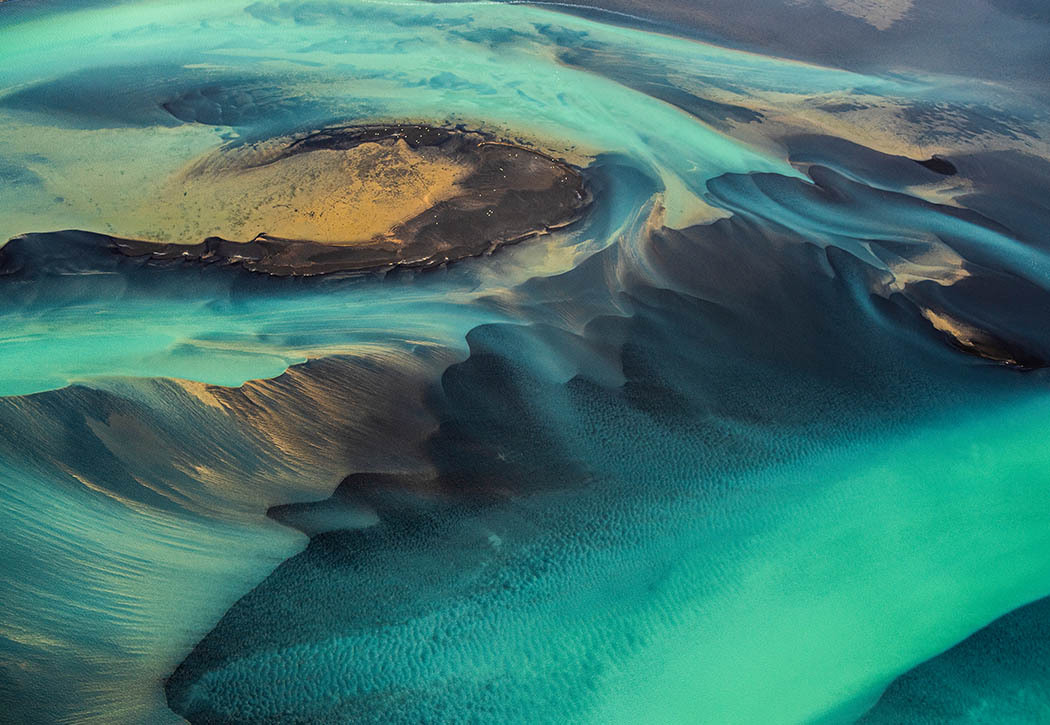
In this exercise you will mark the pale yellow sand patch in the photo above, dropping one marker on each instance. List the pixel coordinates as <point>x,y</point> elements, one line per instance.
<point>327,195</point>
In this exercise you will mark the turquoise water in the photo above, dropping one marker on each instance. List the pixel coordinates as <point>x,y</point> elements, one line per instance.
<point>726,450</point>
<point>998,672</point>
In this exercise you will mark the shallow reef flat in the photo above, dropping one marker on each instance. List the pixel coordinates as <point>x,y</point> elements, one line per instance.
<point>609,362</point>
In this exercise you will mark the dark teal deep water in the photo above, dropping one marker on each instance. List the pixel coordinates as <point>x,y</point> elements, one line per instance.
<point>762,433</point>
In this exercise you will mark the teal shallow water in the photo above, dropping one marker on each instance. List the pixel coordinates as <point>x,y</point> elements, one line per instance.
<point>740,446</point>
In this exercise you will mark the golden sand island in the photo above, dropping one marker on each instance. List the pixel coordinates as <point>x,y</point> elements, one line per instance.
<point>358,198</point>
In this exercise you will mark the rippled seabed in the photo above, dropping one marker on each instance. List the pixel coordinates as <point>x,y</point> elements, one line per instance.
<point>762,432</point>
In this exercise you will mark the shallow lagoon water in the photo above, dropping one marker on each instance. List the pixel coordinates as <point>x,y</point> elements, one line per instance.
<point>760,434</point>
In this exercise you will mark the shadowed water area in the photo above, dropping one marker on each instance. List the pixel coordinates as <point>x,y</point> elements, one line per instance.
<point>460,362</point>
